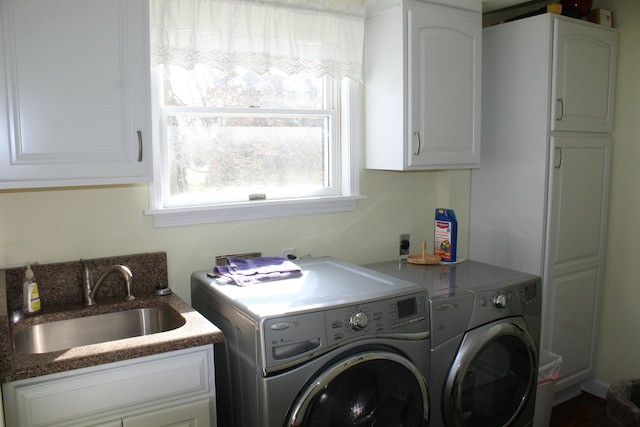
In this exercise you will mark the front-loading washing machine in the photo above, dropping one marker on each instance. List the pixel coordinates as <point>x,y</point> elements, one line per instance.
<point>340,346</point>
<point>485,337</point>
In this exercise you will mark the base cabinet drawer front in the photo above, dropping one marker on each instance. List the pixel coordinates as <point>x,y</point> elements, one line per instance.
<point>112,392</point>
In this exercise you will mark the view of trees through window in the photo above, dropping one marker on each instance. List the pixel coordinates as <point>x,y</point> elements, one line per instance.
<point>232,133</point>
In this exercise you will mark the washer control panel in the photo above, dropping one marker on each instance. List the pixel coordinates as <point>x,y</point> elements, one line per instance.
<point>515,300</point>
<point>298,336</point>
<point>397,315</point>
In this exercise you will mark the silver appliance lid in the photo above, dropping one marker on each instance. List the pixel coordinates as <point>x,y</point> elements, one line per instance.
<point>325,282</point>
<point>443,281</point>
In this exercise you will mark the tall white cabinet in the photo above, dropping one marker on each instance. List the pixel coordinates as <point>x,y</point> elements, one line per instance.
<point>539,199</point>
<point>422,84</point>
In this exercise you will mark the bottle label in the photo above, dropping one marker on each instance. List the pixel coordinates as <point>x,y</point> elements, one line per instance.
<point>442,241</point>
<point>34,299</point>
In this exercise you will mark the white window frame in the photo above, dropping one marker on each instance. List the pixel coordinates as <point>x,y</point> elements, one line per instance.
<point>348,163</point>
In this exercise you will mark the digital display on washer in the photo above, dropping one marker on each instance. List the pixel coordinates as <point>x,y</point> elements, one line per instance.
<point>407,307</point>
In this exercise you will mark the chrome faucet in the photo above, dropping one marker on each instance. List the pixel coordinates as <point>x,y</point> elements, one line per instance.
<point>89,290</point>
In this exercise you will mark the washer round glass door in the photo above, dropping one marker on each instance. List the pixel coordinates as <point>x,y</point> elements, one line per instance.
<point>375,388</point>
<point>492,376</point>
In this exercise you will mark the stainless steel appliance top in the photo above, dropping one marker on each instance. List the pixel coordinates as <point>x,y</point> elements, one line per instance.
<point>444,281</point>
<point>325,283</point>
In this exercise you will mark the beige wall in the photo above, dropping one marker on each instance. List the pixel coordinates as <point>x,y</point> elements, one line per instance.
<point>619,342</point>
<point>69,224</point>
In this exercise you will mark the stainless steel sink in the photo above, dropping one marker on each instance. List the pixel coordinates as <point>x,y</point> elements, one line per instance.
<point>79,331</point>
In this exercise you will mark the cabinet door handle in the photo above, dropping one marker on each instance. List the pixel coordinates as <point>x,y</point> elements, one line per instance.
<point>417,152</point>
<point>558,162</point>
<point>139,145</point>
<point>559,109</point>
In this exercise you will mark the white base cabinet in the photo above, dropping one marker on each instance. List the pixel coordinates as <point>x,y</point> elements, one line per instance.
<point>171,389</point>
<point>539,199</point>
<point>74,93</point>
<point>422,84</point>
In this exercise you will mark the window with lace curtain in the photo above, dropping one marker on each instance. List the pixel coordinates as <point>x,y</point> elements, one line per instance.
<point>256,108</point>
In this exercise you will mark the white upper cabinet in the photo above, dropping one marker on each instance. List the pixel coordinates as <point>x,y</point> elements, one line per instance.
<point>584,77</point>
<point>74,93</point>
<point>422,85</point>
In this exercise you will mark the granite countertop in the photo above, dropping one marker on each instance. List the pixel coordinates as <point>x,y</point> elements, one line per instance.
<point>195,332</point>
<point>61,297</point>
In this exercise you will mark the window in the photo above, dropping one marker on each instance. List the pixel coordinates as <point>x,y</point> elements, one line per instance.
<point>244,132</point>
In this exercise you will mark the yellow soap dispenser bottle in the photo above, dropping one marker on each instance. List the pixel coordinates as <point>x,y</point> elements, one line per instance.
<point>30,293</point>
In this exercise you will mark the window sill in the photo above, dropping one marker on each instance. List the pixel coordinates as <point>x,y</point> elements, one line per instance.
<point>169,217</point>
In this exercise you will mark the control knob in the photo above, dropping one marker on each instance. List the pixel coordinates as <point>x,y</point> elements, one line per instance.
<point>358,321</point>
<point>500,300</point>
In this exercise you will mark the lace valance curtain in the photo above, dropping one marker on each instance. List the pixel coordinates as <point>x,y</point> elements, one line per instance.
<point>296,36</point>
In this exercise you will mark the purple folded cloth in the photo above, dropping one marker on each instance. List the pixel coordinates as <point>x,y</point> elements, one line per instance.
<point>245,272</point>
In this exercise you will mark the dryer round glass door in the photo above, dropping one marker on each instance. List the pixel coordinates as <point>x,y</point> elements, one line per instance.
<point>492,377</point>
<point>366,389</point>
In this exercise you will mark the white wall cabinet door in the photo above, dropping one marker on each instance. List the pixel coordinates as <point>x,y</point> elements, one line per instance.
<point>422,86</point>
<point>74,93</point>
<point>444,86</point>
<point>583,78</point>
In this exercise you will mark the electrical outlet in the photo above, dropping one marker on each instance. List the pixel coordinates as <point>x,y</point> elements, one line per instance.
<point>405,243</point>
<point>289,253</point>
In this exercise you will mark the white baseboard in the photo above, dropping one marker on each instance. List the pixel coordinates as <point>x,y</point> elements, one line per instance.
<point>566,394</point>
<point>592,386</point>
<point>595,387</point>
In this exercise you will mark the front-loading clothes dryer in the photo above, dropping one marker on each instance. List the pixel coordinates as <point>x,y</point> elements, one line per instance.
<point>340,346</point>
<point>485,337</point>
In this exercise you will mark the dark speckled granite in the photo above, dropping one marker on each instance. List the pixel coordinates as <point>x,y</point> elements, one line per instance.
<point>61,295</point>
<point>60,284</point>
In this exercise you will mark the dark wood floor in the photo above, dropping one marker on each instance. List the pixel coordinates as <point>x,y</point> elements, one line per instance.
<point>582,411</point>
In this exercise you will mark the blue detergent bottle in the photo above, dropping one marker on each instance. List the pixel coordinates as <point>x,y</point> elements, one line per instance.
<point>445,239</point>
